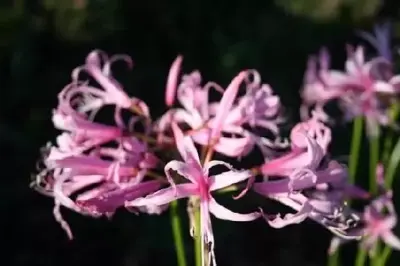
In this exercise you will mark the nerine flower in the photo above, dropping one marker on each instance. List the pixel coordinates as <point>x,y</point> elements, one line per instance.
<point>92,98</point>
<point>309,144</point>
<point>364,89</point>
<point>200,185</point>
<point>303,183</point>
<point>101,180</point>
<point>316,92</point>
<point>211,122</point>
<point>377,222</point>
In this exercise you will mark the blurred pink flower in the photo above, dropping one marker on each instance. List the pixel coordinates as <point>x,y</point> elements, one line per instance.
<point>365,88</point>
<point>321,199</point>
<point>377,221</point>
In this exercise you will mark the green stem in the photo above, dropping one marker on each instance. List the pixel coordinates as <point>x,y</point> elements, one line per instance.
<point>177,232</point>
<point>197,239</point>
<point>387,147</point>
<point>373,161</point>
<point>361,256</point>
<point>334,259</point>
<point>375,260</point>
<point>355,148</point>
<point>392,165</point>
<point>387,251</point>
<point>353,162</point>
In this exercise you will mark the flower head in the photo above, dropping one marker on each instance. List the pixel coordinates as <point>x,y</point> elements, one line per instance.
<point>101,180</point>
<point>211,123</point>
<point>200,185</point>
<point>377,221</point>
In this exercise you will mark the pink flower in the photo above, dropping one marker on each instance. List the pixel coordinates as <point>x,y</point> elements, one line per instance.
<point>83,134</point>
<point>380,40</point>
<point>212,122</point>
<point>378,220</point>
<point>309,141</point>
<point>322,200</point>
<point>91,98</point>
<point>200,185</point>
<point>102,184</point>
<point>207,127</point>
<point>365,88</point>
<point>315,91</point>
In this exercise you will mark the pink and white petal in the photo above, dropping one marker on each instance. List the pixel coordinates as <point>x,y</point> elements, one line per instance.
<point>391,240</point>
<point>223,213</point>
<point>182,169</point>
<point>185,145</point>
<point>228,178</point>
<point>109,201</point>
<point>226,103</point>
<point>164,196</point>
<point>383,87</point>
<point>172,81</point>
<point>210,164</point>
<point>288,219</point>
<point>232,147</point>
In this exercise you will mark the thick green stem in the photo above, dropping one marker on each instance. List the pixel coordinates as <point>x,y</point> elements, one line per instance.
<point>353,162</point>
<point>361,257</point>
<point>334,259</point>
<point>387,251</point>
<point>375,260</point>
<point>373,161</point>
<point>387,148</point>
<point>177,232</point>
<point>355,148</point>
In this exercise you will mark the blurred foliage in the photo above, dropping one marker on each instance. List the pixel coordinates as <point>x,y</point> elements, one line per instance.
<point>328,10</point>
<point>42,41</point>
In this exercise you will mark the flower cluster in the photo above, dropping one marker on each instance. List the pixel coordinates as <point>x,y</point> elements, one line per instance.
<point>143,164</point>
<point>365,88</point>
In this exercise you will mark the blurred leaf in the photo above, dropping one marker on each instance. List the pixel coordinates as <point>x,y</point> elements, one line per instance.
<point>392,166</point>
<point>328,10</point>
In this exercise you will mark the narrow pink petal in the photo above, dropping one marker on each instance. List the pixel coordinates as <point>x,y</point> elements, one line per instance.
<point>172,81</point>
<point>185,145</point>
<point>391,240</point>
<point>223,213</point>
<point>290,218</point>
<point>111,200</point>
<point>211,164</point>
<point>226,103</point>
<point>182,169</point>
<point>164,196</point>
<point>228,178</point>
<point>232,147</point>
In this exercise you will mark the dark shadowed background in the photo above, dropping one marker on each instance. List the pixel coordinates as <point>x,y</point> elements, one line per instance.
<point>42,41</point>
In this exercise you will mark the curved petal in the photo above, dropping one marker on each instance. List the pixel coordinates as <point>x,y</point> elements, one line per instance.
<point>164,196</point>
<point>300,216</point>
<point>225,105</point>
<point>223,213</point>
<point>391,240</point>
<point>185,146</point>
<point>182,169</point>
<point>228,178</point>
<point>172,81</point>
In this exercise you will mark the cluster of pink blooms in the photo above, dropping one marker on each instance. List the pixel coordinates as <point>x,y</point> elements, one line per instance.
<point>143,164</point>
<point>366,88</point>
